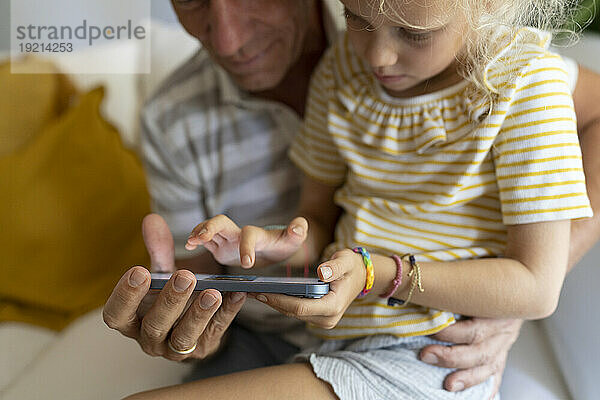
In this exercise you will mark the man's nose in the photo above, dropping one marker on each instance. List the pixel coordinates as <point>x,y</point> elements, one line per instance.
<point>380,51</point>
<point>227,28</point>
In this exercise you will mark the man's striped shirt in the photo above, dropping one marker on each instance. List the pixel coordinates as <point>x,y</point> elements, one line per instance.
<point>210,149</point>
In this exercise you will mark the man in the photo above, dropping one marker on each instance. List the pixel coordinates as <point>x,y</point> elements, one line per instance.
<point>228,114</point>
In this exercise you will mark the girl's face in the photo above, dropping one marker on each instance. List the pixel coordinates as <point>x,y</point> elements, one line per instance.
<point>407,61</point>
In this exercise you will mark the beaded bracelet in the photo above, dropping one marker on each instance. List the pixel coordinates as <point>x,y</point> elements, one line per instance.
<point>395,283</point>
<point>370,272</point>
<point>415,275</point>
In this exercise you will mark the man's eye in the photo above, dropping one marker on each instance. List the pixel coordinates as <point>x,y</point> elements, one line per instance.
<point>349,15</point>
<point>354,21</point>
<point>187,4</point>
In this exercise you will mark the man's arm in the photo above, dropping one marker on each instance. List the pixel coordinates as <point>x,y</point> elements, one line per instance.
<point>585,232</point>
<point>481,345</point>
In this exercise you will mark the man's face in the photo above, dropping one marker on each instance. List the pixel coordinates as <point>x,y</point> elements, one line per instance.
<point>255,41</point>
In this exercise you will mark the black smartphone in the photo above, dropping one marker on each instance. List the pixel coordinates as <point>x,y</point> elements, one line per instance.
<point>301,287</point>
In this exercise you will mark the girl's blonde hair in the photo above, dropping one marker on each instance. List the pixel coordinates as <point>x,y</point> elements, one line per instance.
<point>485,18</point>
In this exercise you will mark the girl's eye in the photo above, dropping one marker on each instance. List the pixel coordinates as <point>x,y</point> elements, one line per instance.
<point>416,38</point>
<point>357,23</point>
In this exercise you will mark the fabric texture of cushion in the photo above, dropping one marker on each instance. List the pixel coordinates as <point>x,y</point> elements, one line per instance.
<point>29,101</point>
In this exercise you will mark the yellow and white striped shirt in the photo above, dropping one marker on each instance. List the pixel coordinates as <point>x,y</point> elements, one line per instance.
<point>438,175</point>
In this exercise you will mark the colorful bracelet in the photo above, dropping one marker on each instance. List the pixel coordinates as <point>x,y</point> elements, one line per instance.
<point>415,275</point>
<point>370,272</point>
<point>395,283</point>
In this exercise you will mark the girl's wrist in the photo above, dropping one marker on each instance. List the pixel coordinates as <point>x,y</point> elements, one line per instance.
<point>385,269</point>
<point>397,280</point>
<point>412,282</point>
<point>369,272</point>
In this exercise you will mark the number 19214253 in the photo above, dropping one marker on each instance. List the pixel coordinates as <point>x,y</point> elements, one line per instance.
<point>46,47</point>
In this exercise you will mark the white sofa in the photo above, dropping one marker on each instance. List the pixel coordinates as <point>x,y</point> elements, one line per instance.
<point>553,359</point>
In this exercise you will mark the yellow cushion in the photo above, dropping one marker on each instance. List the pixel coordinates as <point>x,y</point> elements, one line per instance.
<point>29,101</point>
<point>71,204</point>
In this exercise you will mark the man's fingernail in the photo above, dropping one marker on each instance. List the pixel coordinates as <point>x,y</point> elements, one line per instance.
<point>326,272</point>
<point>207,301</point>
<point>247,261</point>
<point>262,298</point>
<point>237,296</point>
<point>429,359</point>
<point>458,386</point>
<point>181,283</point>
<point>136,278</point>
<point>298,230</point>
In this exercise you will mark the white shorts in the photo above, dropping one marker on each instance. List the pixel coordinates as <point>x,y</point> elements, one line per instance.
<point>384,368</point>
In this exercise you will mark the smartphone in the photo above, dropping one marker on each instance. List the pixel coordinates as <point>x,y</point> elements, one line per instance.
<point>302,287</point>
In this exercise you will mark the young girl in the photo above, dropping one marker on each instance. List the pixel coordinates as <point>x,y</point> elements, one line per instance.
<point>445,133</point>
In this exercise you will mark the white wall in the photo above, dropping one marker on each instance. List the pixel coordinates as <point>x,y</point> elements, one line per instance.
<point>574,329</point>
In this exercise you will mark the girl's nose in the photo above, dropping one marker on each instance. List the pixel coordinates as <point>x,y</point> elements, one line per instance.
<point>381,51</point>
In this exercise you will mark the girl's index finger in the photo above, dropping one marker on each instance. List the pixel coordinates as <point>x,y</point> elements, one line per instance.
<point>195,239</point>
<point>199,231</point>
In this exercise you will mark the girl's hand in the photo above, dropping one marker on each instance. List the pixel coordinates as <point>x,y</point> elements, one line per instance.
<point>346,275</point>
<point>234,246</point>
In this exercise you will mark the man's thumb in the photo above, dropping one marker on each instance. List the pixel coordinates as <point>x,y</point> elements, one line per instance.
<point>159,243</point>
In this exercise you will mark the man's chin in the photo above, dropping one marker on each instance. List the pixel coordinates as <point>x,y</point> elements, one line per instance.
<point>257,82</point>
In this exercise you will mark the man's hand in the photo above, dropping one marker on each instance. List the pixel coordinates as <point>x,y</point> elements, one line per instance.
<point>174,314</point>
<point>479,349</point>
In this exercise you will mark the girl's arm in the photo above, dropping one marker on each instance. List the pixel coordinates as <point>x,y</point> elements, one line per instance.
<point>494,337</point>
<point>525,283</point>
